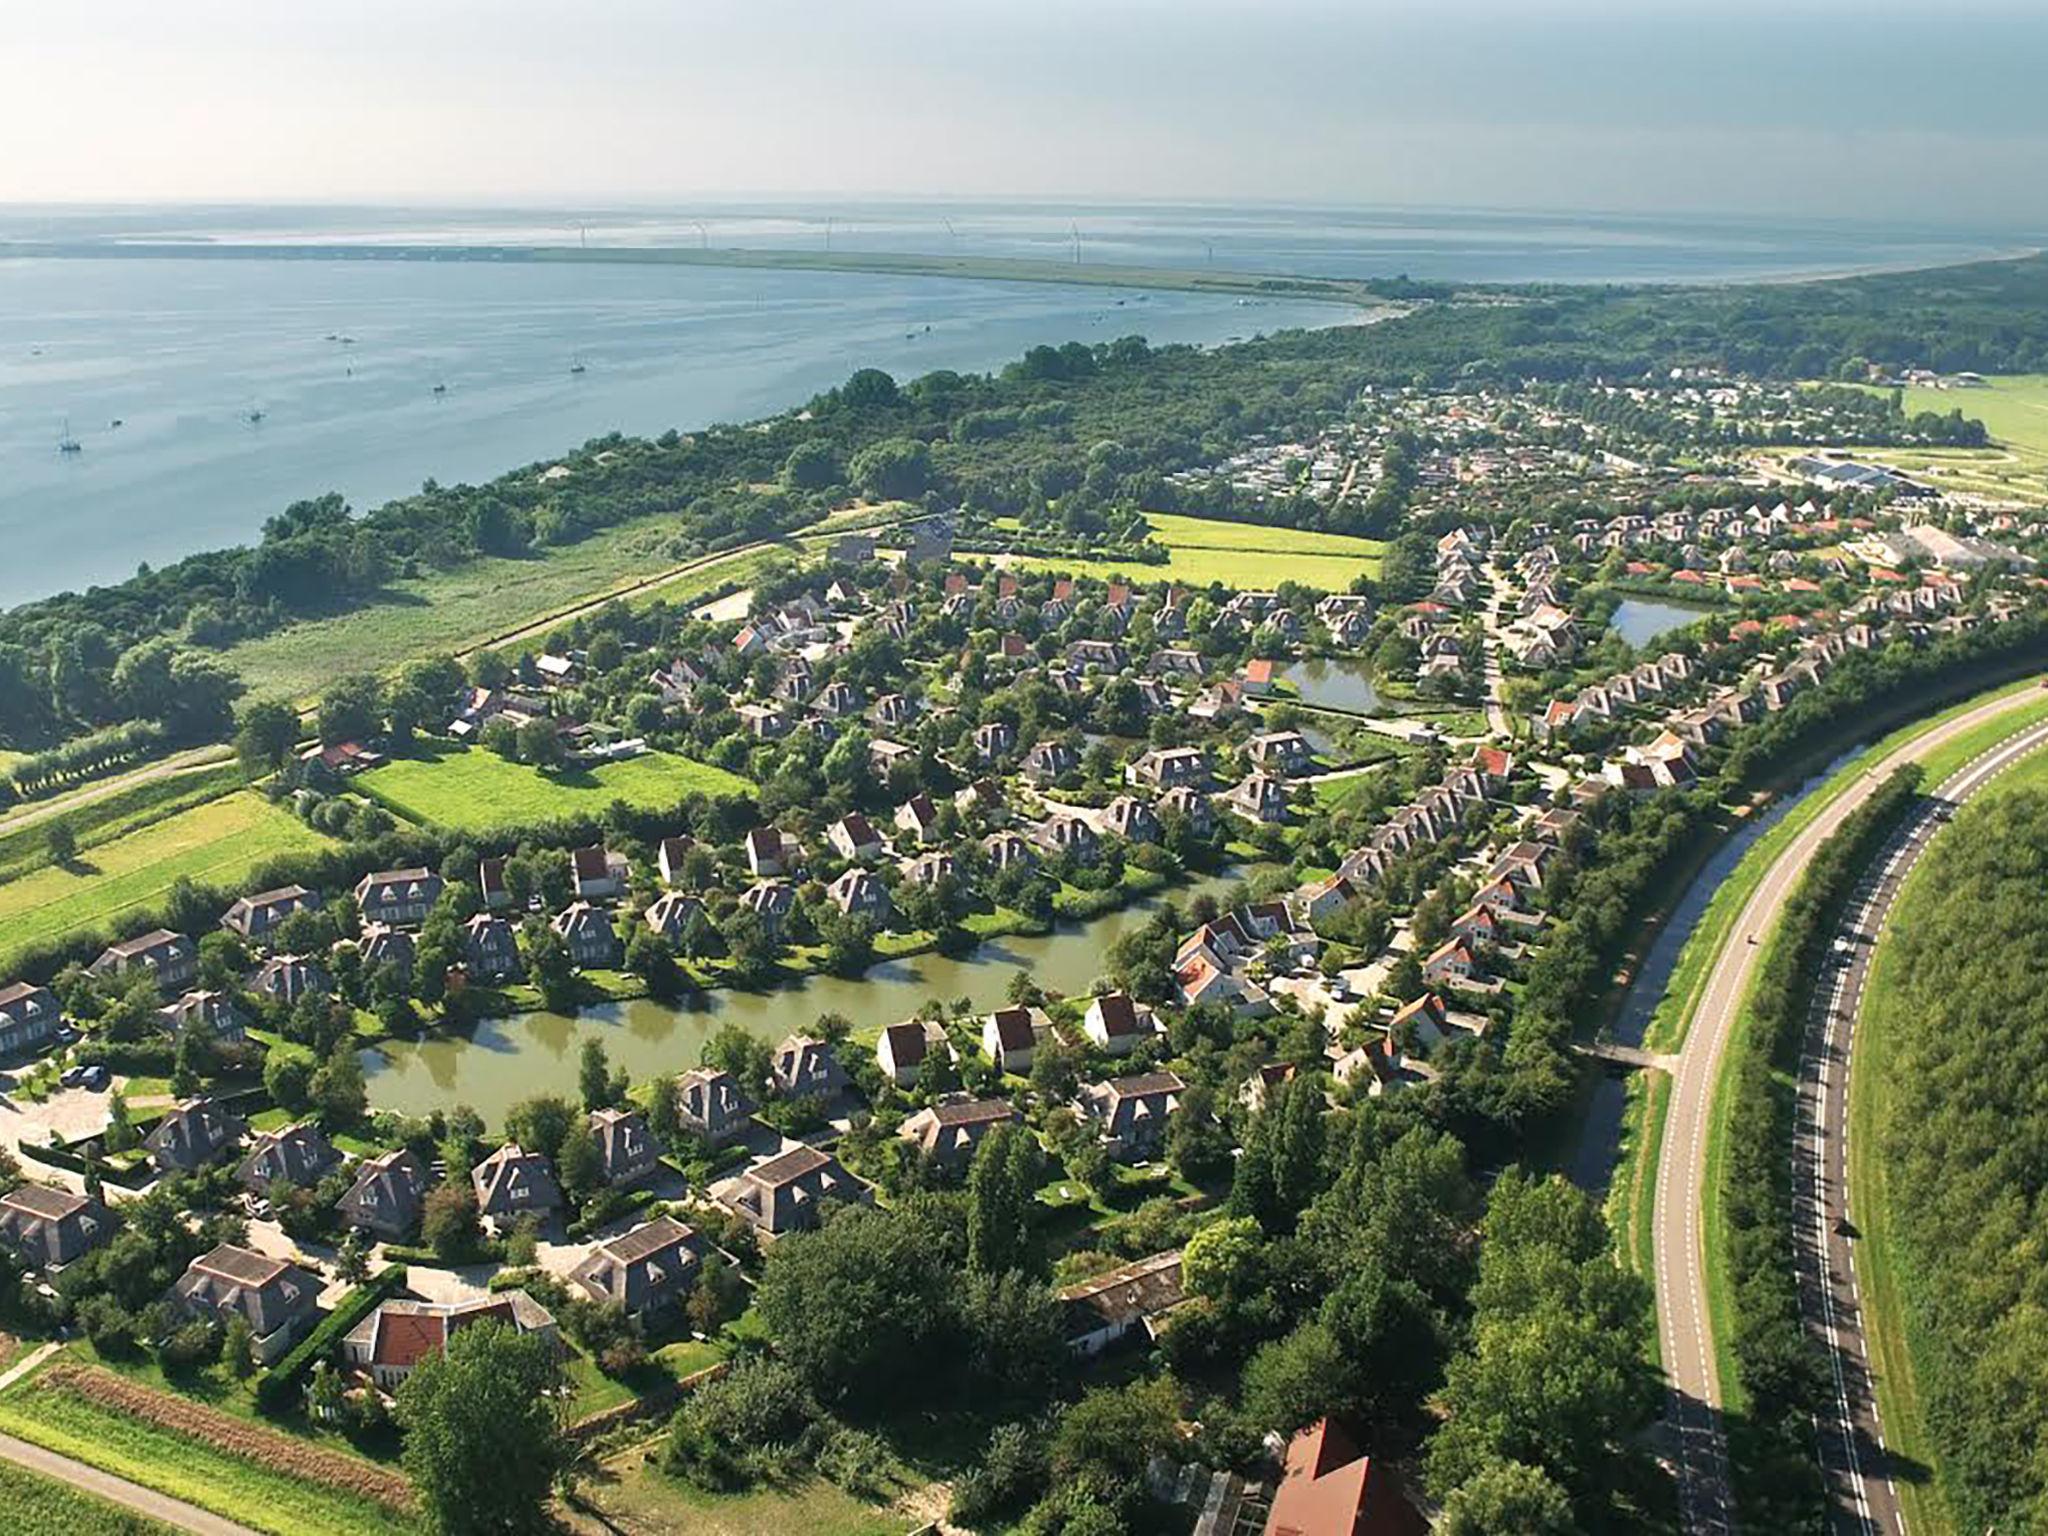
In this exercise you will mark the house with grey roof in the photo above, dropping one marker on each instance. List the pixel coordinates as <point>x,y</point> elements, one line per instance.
<point>626,1148</point>
<point>192,1133</point>
<point>711,1103</point>
<point>948,1133</point>
<point>278,1299</point>
<point>788,1193</point>
<point>512,1181</point>
<point>252,917</point>
<point>29,1016</point>
<point>294,1154</point>
<point>47,1228</point>
<point>807,1068</point>
<point>647,1269</point>
<point>401,898</point>
<point>1132,1112</point>
<point>589,935</point>
<point>170,960</point>
<point>212,1014</point>
<point>387,1195</point>
<point>287,978</point>
<point>490,947</point>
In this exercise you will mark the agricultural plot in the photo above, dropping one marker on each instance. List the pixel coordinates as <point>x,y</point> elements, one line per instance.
<point>217,843</point>
<point>1205,550</point>
<point>255,1475</point>
<point>472,790</point>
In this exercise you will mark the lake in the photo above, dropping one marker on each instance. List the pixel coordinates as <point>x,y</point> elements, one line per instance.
<point>506,1060</point>
<point>182,353</point>
<point>1640,620</point>
<point>1337,682</point>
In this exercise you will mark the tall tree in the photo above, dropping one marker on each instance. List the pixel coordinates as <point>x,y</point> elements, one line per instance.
<point>482,1443</point>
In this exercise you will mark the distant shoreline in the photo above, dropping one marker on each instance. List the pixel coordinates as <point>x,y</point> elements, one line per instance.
<point>1351,292</point>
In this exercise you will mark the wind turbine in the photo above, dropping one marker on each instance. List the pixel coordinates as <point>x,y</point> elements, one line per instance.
<point>703,234</point>
<point>1076,228</point>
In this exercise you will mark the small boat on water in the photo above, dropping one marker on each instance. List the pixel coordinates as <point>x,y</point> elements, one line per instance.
<point>440,389</point>
<point>577,366</point>
<point>115,422</point>
<point>252,416</point>
<point>67,443</point>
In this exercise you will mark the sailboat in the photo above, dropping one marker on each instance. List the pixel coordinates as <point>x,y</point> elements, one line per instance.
<point>577,366</point>
<point>67,443</point>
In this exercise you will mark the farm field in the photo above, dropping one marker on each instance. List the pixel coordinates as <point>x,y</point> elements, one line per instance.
<point>453,611</point>
<point>1205,550</point>
<point>216,843</point>
<point>472,790</point>
<point>242,1487</point>
<point>41,1506</point>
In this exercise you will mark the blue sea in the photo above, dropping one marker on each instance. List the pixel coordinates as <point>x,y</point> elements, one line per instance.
<point>235,393</point>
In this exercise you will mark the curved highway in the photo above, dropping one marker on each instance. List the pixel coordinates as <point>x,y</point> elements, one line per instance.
<point>1862,1494</point>
<point>1685,1326</point>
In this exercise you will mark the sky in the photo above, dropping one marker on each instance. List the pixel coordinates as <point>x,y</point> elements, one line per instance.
<point>1819,108</point>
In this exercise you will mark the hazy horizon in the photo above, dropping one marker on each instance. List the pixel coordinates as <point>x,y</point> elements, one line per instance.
<point>1830,109</point>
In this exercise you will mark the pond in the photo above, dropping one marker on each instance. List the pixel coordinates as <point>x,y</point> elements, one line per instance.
<point>1640,620</point>
<point>1336,682</point>
<point>505,1060</point>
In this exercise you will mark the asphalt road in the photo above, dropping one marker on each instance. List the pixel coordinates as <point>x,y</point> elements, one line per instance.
<point>1862,1491</point>
<point>1698,1444</point>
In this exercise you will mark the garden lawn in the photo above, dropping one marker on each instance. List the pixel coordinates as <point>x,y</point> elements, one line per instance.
<point>472,790</point>
<point>641,1497</point>
<point>1243,555</point>
<point>217,843</point>
<point>186,1468</point>
<point>41,1506</point>
<point>446,612</point>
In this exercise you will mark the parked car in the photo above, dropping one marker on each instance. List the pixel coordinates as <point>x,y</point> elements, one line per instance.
<point>71,1077</point>
<point>96,1078</point>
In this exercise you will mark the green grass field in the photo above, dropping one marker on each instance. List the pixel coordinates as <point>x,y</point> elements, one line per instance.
<point>187,1469</point>
<point>216,843</point>
<point>452,611</point>
<point>2014,409</point>
<point>1888,1335</point>
<point>1239,555</point>
<point>41,1506</point>
<point>476,791</point>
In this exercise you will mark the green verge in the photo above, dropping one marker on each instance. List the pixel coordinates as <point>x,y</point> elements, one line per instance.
<point>1887,1330</point>
<point>1747,1199</point>
<point>1674,1014</point>
<point>190,1470</point>
<point>42,1506</point>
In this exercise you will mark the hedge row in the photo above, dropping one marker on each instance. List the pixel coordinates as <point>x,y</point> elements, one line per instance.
<point>277,1388</point>
<point>1776,1475</point>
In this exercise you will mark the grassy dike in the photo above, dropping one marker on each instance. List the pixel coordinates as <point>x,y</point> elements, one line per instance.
<point>1887,1330</point>
<point>1632,1193</point>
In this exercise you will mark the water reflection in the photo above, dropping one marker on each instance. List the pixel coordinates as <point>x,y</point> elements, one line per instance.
<point>506,1060</point>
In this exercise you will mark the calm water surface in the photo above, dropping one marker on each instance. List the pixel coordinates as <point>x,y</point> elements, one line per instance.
<point>183,353</point>
<point>507,1060</point>
<point>1640,620</point>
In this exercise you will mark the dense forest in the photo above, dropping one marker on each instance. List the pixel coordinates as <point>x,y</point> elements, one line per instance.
<point>1964,1144</point>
